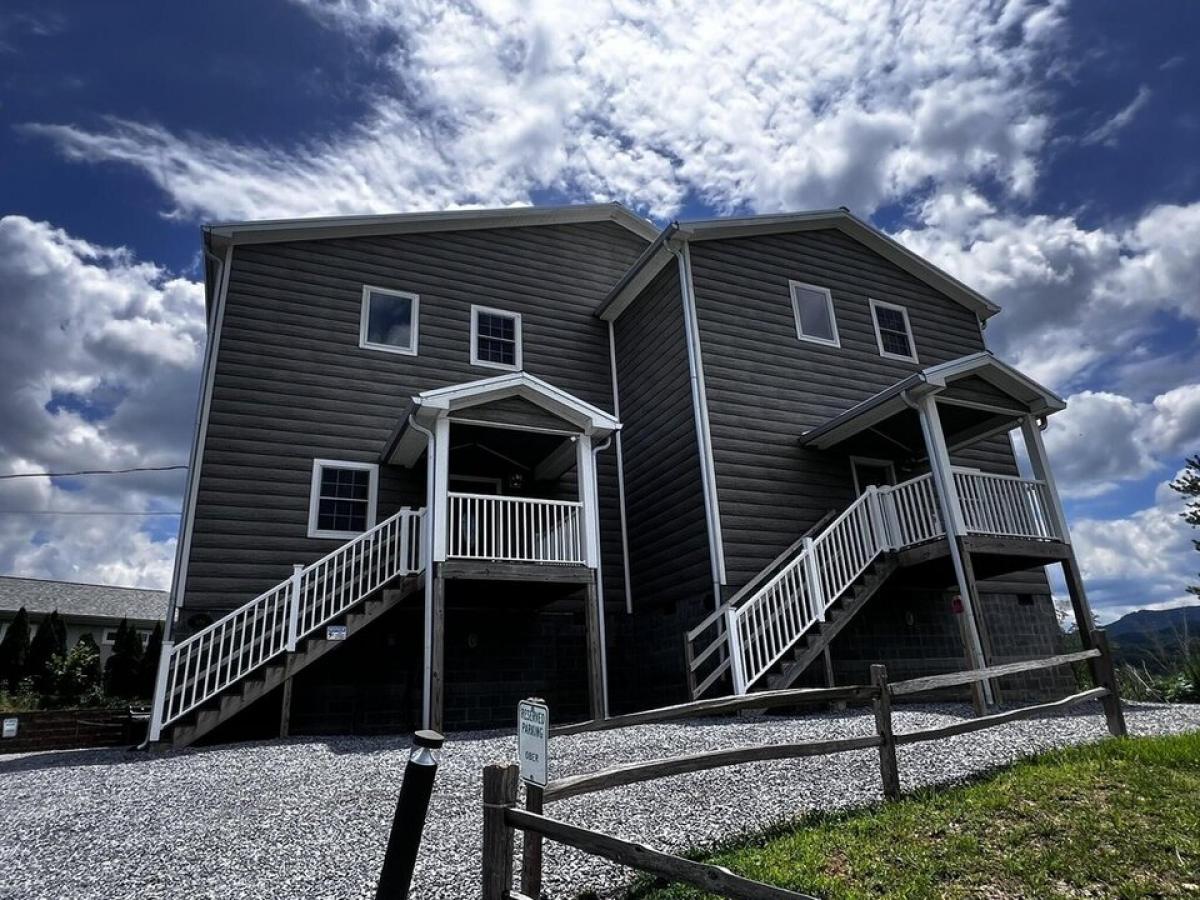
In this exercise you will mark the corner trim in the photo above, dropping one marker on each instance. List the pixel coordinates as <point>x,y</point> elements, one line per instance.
<point>183,546</point>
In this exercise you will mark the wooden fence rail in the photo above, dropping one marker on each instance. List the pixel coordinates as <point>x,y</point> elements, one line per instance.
<point>501,816</point>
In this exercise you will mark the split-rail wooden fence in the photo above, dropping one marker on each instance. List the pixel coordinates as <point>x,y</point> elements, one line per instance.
<point>502,817</point>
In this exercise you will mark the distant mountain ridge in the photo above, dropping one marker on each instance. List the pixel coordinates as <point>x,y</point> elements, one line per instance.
<point>1154,636</point>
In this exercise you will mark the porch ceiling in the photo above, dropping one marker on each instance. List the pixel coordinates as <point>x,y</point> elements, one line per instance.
<point>978,396</point>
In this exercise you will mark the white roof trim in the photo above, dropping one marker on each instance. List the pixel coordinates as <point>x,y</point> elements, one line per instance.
<point>1038,400</point>
<point>866,234</point>
<point>431,405</point>
<point>276,230</point>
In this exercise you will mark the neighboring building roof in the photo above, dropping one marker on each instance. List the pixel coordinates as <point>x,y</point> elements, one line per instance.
<point>93,601</point>
<point>656,256</point>
<point>270,231</point>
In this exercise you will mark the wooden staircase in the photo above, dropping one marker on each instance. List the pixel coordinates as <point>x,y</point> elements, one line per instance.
<point>221,708</point>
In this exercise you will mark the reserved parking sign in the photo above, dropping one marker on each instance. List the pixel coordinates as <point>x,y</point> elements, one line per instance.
<point>533,740</point>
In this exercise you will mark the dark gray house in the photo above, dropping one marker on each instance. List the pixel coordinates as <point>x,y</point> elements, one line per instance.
<point>561,452</point>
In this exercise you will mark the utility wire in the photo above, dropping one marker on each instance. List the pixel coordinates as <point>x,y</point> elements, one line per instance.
<point>92,472</point>
<point>80,512</point>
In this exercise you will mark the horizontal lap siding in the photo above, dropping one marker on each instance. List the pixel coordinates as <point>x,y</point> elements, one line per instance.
<point>668,543</point>
<point>766,387</point>
<point>292,383</point>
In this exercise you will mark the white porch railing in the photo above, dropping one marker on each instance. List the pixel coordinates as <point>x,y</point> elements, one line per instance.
<point>1005,505</point>
<point>205,663</point>
<point>769,622</point>
<point>515,529</point>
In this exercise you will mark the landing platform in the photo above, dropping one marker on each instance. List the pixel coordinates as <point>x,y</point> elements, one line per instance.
<point>929,563</point>
<point>491,570</point>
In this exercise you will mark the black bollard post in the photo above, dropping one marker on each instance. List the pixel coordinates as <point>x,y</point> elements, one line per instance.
<point>409,820</point>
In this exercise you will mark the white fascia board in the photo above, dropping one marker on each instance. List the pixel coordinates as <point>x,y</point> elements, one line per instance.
<point>276,230</point>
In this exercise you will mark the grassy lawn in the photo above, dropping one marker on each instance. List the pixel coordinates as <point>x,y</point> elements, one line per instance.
<point>1117,819</point>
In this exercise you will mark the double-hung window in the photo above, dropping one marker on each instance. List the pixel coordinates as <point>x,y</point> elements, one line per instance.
<point>389,320</point>
<point>343,497</point>
<point>813,308</point>
<point>893,332</point>
<point>495,338</point>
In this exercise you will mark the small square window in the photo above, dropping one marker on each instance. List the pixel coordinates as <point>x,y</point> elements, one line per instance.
<point>813,309</point>
<point>495,338</point>
<point>389,321</point>
<point>893,332</point>
<point>343,498</point>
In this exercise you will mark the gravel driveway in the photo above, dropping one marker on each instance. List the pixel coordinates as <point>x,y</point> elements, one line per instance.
<point>307,818</point>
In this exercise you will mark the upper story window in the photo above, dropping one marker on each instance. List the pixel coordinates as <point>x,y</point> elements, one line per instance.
<point>813,307</point>
<point>343,497</point>
<point>389,320</point>
<point>893,331</point>
<point>495,338</point>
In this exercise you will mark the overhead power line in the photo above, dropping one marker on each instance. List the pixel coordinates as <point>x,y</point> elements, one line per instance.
<point>80,512</point>
<point>92,472</point>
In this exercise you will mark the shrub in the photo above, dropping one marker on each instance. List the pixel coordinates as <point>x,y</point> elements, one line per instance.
<point>49,641</point>
<point>148,670</point>
<point>123,667</point>
<point>14,651</point>
<point>77,674</point>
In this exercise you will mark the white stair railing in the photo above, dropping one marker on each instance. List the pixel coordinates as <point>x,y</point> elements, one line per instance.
<point>515,529</point>
<point>202,665</point>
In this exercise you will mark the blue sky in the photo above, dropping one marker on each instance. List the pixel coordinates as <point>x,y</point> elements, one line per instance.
<point>1047,153</point>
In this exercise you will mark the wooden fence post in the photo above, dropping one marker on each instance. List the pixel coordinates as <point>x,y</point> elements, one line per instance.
<point>499,794</point>
<point>1106,677</point>
<point>531,858</point>
<point>889,771</point>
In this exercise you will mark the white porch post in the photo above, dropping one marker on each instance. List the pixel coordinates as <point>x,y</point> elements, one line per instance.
<point>1041,471</point>
<point>158,710</point>
<point>585,471</point>
<point>943,479</point>
<point>441,485</point>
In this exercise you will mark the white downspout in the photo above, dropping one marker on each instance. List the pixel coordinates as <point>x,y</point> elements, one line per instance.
<point>427,553</point>
<point>712,510</point>
<point>612,358</point>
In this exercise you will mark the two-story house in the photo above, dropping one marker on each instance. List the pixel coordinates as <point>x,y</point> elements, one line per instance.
<point>444,461</point>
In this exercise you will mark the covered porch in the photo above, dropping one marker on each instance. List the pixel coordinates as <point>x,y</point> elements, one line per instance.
<point>512,498</point>
<point>948,523</point>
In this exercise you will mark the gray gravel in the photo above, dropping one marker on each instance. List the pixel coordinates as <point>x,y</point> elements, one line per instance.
<point>307,818</point>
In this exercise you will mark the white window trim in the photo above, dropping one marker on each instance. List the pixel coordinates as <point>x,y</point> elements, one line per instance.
<point>836,341</point>
<point>314,496</point>
<point>487,364</point>
<point>907,327</point>
<point>364,320</point>
<point>869,461</point>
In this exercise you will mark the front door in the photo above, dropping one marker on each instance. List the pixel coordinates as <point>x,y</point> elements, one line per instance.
<point>879,472</point>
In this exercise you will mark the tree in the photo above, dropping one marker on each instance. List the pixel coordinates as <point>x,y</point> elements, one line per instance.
<point>121,671</point>
<point>14,650</point>
<point>49,641</point>
<point>1188,486</point>
<point>77,673</point>
<point>149,668</point>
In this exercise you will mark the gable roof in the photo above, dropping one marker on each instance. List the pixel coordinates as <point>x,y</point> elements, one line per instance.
<point>223,234</point>
<point>406,444</point>
<point>656,256</point>
<point>1028,396</point>
<point>93,601</point>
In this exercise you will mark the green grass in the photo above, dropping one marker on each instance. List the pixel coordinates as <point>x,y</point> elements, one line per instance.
<point>1116,819</point>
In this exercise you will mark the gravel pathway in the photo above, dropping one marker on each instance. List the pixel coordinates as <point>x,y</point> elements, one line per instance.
<point>307,818</point>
